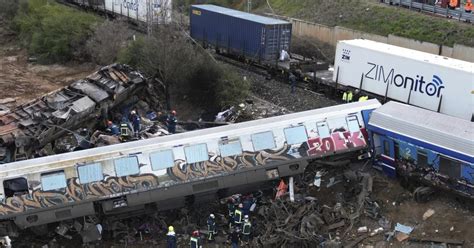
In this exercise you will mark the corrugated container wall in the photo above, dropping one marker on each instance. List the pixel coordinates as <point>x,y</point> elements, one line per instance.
<point>253,36</point>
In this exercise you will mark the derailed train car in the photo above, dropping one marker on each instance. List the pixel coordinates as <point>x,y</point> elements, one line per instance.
<point>31,126</point>
<point>166,172</point>
<point>419,145</point>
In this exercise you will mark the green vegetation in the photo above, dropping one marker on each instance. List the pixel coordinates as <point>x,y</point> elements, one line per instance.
<point>53,32</point>
<point>184,71</point>
<point>364,15</point>
<point>8,9</point>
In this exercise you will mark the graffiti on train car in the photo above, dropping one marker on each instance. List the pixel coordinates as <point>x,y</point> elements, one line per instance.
<point>337,141</point>
<point>181,172</point>
<point>217,164</point>
<point>77,192</point>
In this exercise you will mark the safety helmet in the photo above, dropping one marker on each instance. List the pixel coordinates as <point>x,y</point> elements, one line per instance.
<point>246,217</point>
<point>170,229</point>
<point>212,216</point>
<point>241,205</point>
<point>173,112</point>
<point>196,233</point>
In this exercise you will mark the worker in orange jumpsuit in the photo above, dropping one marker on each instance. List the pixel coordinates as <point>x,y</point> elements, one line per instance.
<point>468,6</point>
<point>453,4</point>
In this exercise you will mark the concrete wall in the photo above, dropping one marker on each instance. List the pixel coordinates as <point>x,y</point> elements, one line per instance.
<point>317,31</point>
<point>463,52</point>
<point>414,44</point>
<point>341,33</point>
<point>332,35</point>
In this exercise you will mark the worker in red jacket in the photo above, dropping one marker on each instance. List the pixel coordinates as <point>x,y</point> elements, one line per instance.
<point>453,4</point>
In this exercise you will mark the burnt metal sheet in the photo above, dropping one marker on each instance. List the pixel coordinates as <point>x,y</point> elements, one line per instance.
<point>90,89</point>
<point>82,104</point>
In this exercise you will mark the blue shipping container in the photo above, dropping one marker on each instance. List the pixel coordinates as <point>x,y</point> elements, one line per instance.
<point>240,33</point>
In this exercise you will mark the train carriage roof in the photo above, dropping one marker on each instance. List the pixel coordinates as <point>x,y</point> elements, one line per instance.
<point>436,129</point>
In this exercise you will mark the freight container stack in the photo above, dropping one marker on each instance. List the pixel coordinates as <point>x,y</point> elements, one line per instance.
<point>252,36</point>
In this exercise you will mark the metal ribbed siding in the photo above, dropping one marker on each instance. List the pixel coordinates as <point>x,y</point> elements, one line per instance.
<point>253,36</point>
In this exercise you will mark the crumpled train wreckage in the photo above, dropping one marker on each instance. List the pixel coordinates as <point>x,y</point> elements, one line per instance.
<point>33,125</point>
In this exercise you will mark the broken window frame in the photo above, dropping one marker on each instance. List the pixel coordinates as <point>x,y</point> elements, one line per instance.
<point>223,143</point>
<point>126,172</point>
<point>26,191</point>
<point>196,156</point>
<point>159,165</point>
<point>292,138</point>
<point>448,166</point>
<point>59,184</point>
<point>96,179</point>
<point>257,138</point>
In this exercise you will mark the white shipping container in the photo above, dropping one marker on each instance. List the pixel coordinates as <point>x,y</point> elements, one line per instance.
<point>421,79</point>
<point>160,10</point>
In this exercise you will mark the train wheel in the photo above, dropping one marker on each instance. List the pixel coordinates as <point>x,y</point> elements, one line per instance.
<point>423,194</point>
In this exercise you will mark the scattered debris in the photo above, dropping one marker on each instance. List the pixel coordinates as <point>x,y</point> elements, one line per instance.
<point>428,214</point>
<point>403,228</point>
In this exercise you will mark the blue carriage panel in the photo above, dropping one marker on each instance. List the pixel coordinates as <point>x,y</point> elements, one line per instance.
<point>433,159</point>
<point>467,172</point>
<point>408,151</point>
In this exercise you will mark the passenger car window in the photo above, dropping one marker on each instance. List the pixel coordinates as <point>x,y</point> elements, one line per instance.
<point>323,129</point>
<point>353,123</point>
<point>90,173</point>
<point>196,153</point>
<point>230,148</point>
<point>296,135</point>
<point>126,166</point>
<point>53,180</point>
<point>162,160</point>
<point>262,141</point>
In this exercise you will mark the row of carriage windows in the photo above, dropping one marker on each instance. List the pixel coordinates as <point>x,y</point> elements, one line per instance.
<point>160,160</point>
<point>446,166</point>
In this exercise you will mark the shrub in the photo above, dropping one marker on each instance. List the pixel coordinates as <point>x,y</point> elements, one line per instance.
<point>52,32</point>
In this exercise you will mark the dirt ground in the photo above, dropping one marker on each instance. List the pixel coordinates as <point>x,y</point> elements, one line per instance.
<point>22,81</point>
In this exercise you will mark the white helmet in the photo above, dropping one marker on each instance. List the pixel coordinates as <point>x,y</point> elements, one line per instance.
<point>133,112</point>
<point>246,217</point>
<point>212,216</point>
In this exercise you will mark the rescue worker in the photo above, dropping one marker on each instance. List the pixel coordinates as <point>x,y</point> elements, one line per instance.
<point>292,79</point>
<point>231,210</point>
<point>171,122</point>
<point>211,228</point>
<point>344,96</point>
<point>234,237</point>
<point>135,120</point>
<point>238,216</point>
<point>363,98</point>
<point>246,229</point>
<point>468,6</point>
<point>112,128</point>
<point>171,238</point>
<point>124,129</point>
<point>349,96</point>
<point>453,4</point>
<point>195,241</point>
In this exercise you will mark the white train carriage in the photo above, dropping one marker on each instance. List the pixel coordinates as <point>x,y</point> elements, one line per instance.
<point>145,11</point>
<point>160,173</point>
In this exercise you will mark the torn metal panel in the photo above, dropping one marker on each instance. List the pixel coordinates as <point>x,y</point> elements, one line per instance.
<point>90,89</point>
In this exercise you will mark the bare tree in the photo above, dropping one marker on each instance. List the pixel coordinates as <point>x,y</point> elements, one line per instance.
<point>108,39</point>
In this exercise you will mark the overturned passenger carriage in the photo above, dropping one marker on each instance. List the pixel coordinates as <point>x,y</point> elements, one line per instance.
<point>31,126</point>
<point>165,172</point>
